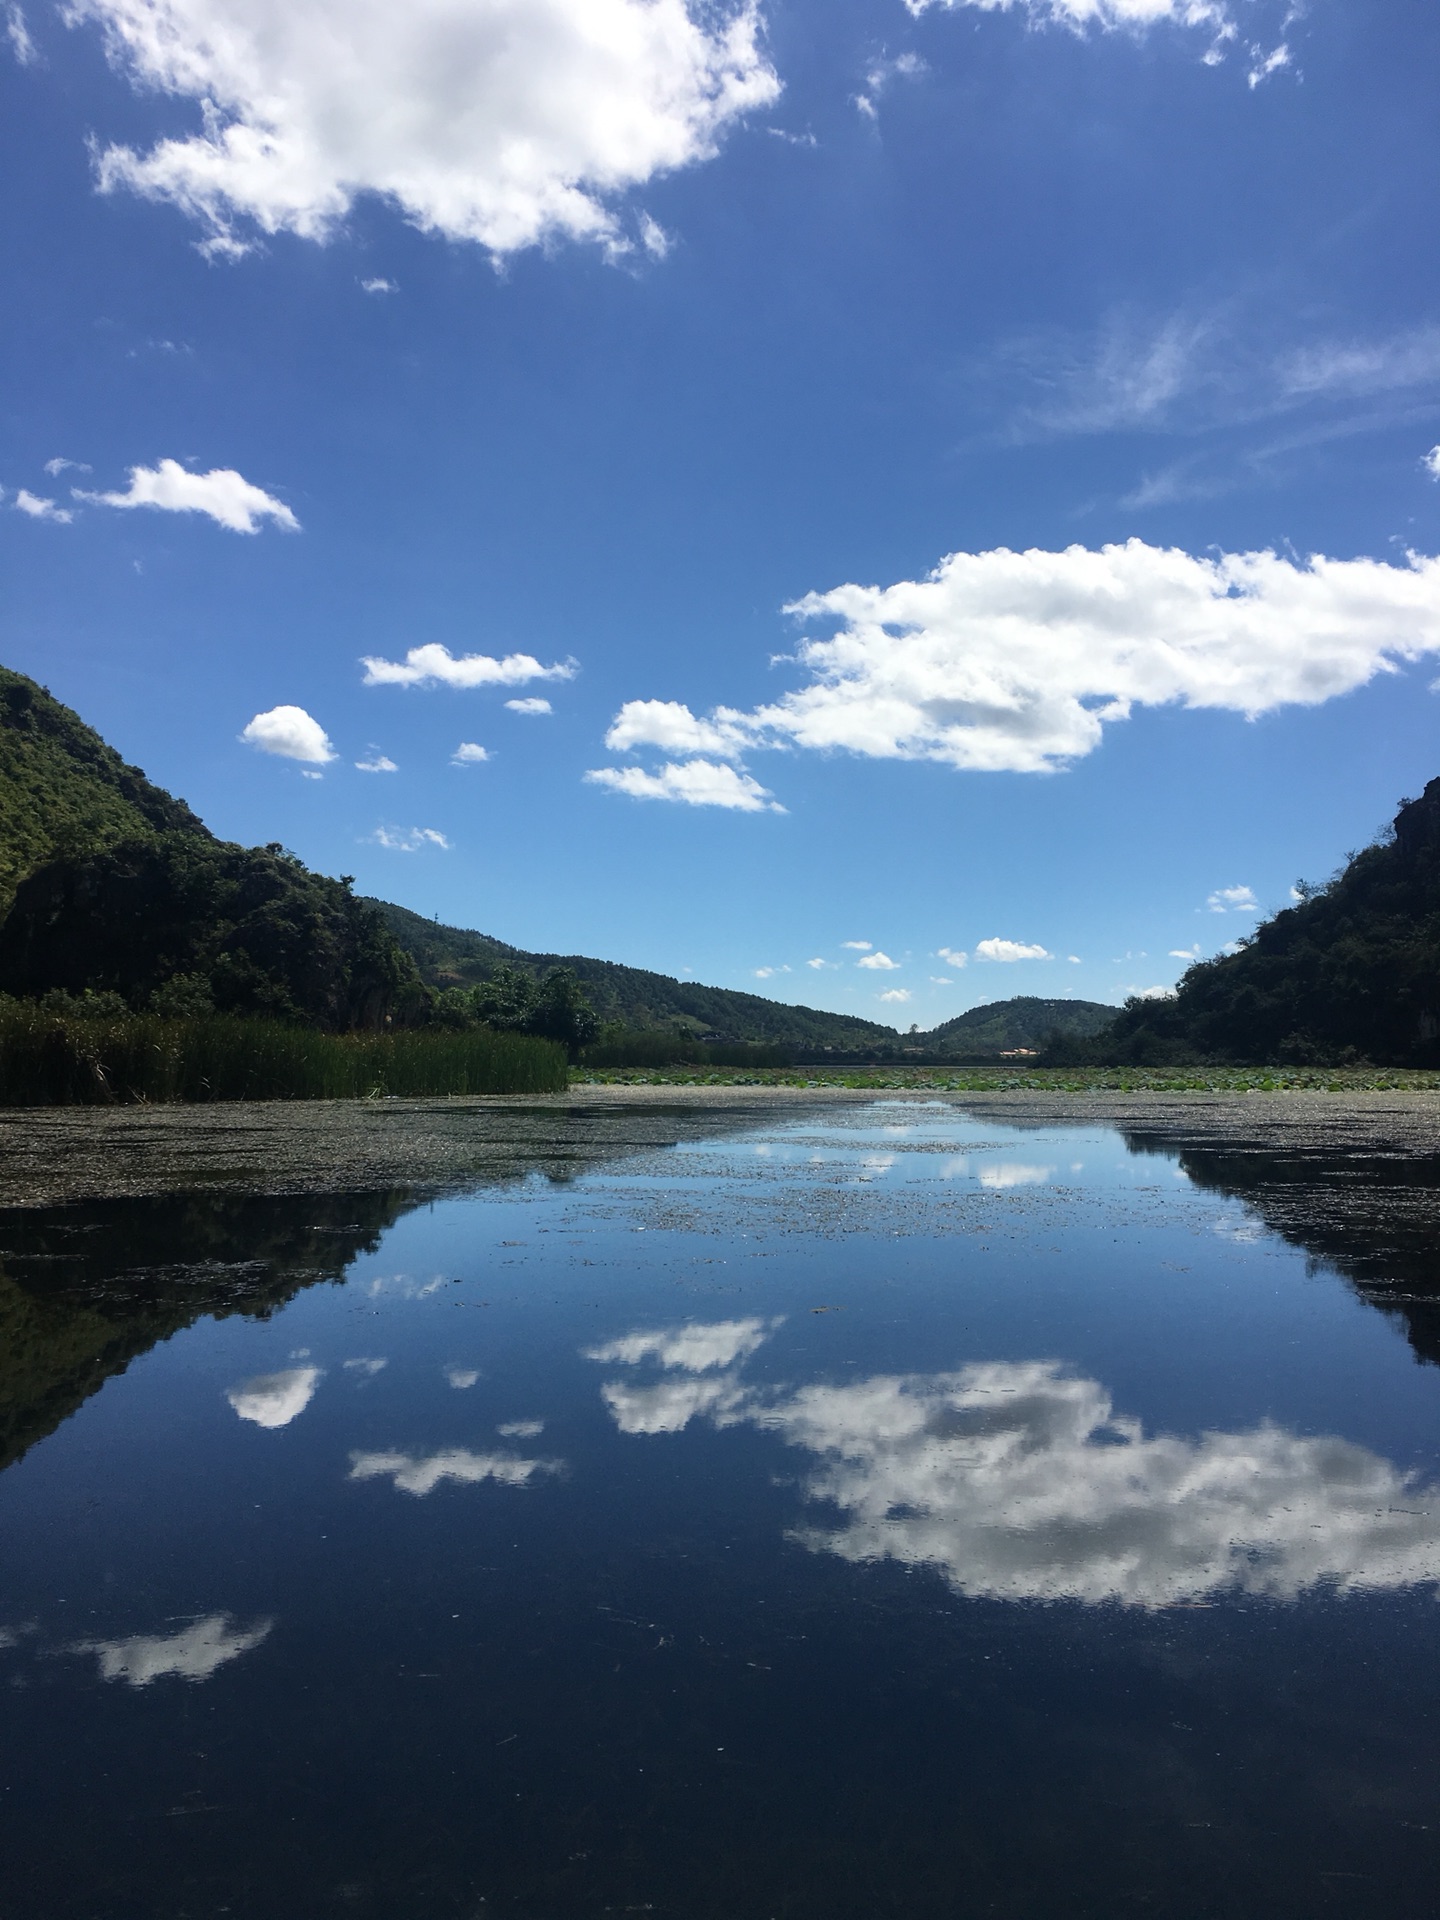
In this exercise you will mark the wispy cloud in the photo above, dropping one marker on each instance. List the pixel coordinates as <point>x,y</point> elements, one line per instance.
<point>378,285</point>
<point>60,465</point>
<point>18,34</point>
<point>533,705</point>
<point>408,839</point>
<point>693,783</point>
<point>39,508</point>
<point>435,666</point>
<point>377,763</point>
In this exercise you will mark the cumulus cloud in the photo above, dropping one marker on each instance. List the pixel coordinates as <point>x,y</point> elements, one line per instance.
<point>1009,950</point>
<point>520,1429</point>
<point>291,733</point>
<point>1156,992</point>
<point>533,705</point>
<point>769,973</point>
<point>857,946</point>
<point>461,1377</point>
<point>193,1654</point>
<point>878,962</point>
<point>408,839</point>
<point>505,125</point>
<point>224,495</point>
<point>468,754</point>
<point>1431,463</point>
<point>953,956</point>
<point>420,1474</point>
<point>275,1399</point>
<point>818,963</point>
<point>694,1348</point>
<point>435,666</point>
<point>897,994</point>
<point>673,728</point>
<point>377,763</point>
<point>1005,661</point>
<point>378,285</point>
<point>1233,900</point>
<point>696,783</point>
<point>39,508</point>
<point>671,1405</point>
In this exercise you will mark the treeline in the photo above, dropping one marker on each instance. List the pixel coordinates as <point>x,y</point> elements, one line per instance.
<point>619,1047</point>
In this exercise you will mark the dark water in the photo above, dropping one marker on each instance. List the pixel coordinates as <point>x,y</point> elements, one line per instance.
<point>877,1512</point>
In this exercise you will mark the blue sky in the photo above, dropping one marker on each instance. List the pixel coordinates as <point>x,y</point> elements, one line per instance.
<point>957,475</point>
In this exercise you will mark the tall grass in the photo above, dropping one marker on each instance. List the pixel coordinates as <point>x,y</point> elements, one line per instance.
<point>50,1059</point>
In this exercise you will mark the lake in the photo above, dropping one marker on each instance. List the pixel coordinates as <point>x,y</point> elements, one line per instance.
<point>887,1507</point>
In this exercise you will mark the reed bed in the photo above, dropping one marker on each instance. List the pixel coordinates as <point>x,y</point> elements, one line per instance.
<point>50,1059</point>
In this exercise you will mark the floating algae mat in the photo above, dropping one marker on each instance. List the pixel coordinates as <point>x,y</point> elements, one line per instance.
<point>870,1509</point>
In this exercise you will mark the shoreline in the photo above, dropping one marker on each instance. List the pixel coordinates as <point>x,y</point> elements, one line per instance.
<point>55,1156</point>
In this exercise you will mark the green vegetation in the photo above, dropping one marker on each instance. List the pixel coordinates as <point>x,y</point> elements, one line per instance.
<point>509,1001</point>
<point>1350,975</point>
<point>630,998</point>
<point>1025,1021</point>
<point>617,1048</point>
<point>63,791</point>
<point>52,1054</point>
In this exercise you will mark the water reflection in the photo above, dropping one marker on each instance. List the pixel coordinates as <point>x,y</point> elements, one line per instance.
<point>275,1399</point>
<point>422,1473</point>
<point>695,1348</point>
<point>194,1653</point>
<point>1019,1481</point>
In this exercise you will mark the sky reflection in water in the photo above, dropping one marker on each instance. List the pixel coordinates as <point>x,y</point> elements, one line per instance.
<point>868,1512</point>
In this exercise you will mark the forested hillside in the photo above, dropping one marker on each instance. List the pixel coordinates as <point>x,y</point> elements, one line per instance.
<point>1026,1021</point>
<point>1352,973</point>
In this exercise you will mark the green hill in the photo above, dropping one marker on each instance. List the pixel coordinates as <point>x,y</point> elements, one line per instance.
<point>631,996</point>
<point>1005,1025</point>
<point>1352,973</point>
<point>63,791</point>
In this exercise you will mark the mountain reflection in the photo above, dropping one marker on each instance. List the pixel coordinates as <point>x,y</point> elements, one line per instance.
<point>1019,1481</point>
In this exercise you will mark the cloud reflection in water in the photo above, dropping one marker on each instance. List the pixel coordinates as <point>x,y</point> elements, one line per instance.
<point>1018,1481</point>
<point>422,1473</point>
<point>274,1399</point>
<point>192,1654</point>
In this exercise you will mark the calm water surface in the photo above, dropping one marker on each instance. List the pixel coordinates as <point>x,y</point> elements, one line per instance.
<point>873,1512</point>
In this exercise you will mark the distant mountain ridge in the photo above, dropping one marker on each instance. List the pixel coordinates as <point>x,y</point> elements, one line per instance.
<point>124,886</point>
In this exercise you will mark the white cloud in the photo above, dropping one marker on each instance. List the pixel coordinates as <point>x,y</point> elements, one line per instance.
<point>672,728</point>
<point>60,465</point>
<point>905,66</point>
<point>291,733</point>
<point>954,956</point>
<point>468,754</point>
<point>368,1367</point>
<point>275,1399</point>
<point>377,763</point>
<point>1004,661</point>
<point>1109,15</point>
<point>1431,463</point>
<point>769,973</point>
<point>818,963</point>
<point>194,1653</point>
<point>1150,993</point>
<point>1009,950</point>
<point>18,34</point>
<point>521,1429</point>
<point>40,508</point>
<point>1185,953</point>
<point>503,124</point>
<point>695,1348</point>
<point>896,995</point>
<point>878,963</point>
<point>697,783</point>
<point>422,1473</point>
<point>1355,369</point>
<point>1073,959</point>
<point>434,665</point>
<point>1262,64</point>
<point>461,1377</point>
<point>223,494</point>
<point>1233,900</point>
<point>941,980</point>
<point>533,705</point>
<point>858,946</point>
<point>408,839</point>
<point>378,285</point>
